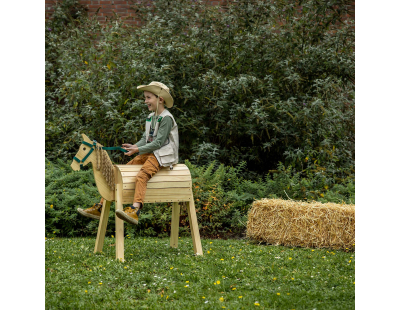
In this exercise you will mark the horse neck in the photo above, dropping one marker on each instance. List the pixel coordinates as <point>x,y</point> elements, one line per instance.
<point>96,155</point>
<point>103,187</point>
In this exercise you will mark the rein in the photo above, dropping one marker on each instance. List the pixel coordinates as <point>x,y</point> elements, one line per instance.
<point>92,148</point>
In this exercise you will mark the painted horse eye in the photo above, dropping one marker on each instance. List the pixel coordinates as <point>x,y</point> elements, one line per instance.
<point>84,148</point>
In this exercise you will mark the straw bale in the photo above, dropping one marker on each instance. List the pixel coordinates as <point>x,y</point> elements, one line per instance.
<point>303,224</point>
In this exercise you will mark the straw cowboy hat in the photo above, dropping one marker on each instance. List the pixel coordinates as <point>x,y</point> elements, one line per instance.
<point>160,90</point>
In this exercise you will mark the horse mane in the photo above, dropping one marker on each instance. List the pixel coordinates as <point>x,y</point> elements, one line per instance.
<point>105,165</point>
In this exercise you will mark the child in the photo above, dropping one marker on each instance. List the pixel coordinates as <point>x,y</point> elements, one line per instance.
<point>157,148</point>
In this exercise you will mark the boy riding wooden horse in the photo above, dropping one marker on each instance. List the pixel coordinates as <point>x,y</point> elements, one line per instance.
<point>157,148</point>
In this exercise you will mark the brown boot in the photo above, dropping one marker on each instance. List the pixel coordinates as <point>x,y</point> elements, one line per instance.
<point>130,214</point>
<point>93,212</point>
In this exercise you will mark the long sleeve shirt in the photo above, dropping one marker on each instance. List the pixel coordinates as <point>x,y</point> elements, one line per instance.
<point>162,135</point>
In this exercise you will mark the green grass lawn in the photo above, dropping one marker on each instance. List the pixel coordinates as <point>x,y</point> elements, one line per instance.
<point>232,274</point>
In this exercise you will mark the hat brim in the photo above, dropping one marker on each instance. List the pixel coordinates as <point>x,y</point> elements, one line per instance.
<point>157,90</point>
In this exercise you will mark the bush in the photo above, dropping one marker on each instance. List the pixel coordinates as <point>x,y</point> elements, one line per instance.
<point>222,199</point>
<point>258,82</point>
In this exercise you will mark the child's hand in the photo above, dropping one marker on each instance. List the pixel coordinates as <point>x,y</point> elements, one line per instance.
<point>132,149</point>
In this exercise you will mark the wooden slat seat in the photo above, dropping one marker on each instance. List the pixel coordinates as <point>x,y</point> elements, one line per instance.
<point>165,186</point>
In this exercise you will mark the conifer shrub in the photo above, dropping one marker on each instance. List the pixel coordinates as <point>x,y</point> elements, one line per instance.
<point>261,82</point>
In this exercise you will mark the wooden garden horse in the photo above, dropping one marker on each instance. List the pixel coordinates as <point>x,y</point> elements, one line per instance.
<point>117,183</point>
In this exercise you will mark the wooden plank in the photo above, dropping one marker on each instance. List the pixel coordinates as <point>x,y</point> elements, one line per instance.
<point>162,172</point>
<point>125,168</point>
<point>118,177</point>
<point>180,197</point>
<point>162,178</point>
<point>119,225</point>
<point>101,231</point>
<point>166,192</point>
<point>129,200</point>
<point>176,210</point>
<point>184,184</point>
<point>194,228</point>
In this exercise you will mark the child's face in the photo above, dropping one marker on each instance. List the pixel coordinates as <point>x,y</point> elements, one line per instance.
<point>151,101</point>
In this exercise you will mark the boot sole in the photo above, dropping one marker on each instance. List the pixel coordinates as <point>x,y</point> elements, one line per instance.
<point>92,216</point>
<point>124,217</point>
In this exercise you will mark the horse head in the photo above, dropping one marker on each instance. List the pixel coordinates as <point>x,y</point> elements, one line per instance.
<point>85,154</point>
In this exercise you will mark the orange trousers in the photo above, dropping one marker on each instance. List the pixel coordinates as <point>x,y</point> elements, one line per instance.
<point>149,169</point>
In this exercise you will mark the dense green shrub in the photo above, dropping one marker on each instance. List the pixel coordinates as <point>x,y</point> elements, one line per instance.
<point>259,82</point>
<point>222,199</point>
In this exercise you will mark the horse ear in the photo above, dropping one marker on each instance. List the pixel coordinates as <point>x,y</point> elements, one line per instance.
<point>85,138</point>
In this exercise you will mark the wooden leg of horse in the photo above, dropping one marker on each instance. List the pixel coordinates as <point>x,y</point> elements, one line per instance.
<point>176,210</point>
<point>101,231</point>
<point>119,225</point>
<point>194,228</point>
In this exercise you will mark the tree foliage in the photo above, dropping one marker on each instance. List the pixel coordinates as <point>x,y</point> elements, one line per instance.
<point>262,82</point>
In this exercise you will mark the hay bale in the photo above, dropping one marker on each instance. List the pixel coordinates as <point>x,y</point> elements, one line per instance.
<point>296,223</point>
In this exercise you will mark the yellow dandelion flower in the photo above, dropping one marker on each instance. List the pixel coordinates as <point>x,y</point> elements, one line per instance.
<point>233,257</point>
<point>288,293</point>
<point>51,206</point>
<point>290,258</point>
<point>240,297</point>
<point>85,291</point>
<point>112,236</point>
<point>210,242</point>
<point>218,282</point>
<point>215,283</point>
<point>203,297</point>
<point>222,259</point>
<point>256,304</point>
<point>234,288</point>
<point>208,252</point>
<point>278,294</point>
<point>221,299</point>
<point>274,279</point>
<point>187,281</point>
<point>171,268</point>
<point>292,278</point>
<point>312,250</point>
<point>89,282</point>
<point>100,283</point>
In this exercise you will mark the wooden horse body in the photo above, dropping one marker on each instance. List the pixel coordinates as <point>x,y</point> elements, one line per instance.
<point>165,186</point>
